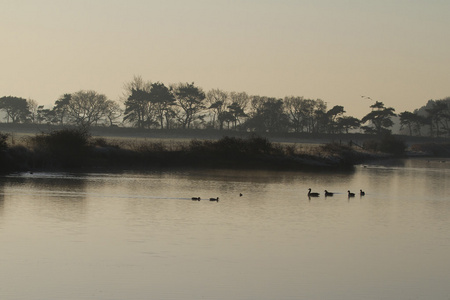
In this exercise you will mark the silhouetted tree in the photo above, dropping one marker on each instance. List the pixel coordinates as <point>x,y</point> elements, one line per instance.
<point>137,108</point>
<point>190,101</point>
<point>332,117</point>
<point>380,118</point>
<point>86,108</point>
<point>162,100</point>
<point>346,123</point>
<point>239,103</point>
<point>269,115</point>
<point>33,109</point>
<point>412,121</point>
<point>16,109</point>
<point>438,114</point>
<point>295,109</point>
<point>236,112</point>
<point>112,112</point>
<point>137,83</point>
<point>217,103</point>
<point>61,107</point>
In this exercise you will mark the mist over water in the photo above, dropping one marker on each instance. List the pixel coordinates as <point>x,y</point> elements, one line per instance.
<point>140,236</point>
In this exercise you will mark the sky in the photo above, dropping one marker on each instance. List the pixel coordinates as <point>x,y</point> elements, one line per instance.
<point>393,51</point>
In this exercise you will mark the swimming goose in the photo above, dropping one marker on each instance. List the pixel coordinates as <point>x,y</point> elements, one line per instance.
<point>351,194</point>
<point>327,193</point>
<point>312,194</point>
<point>196,198</point>
<point>362,193</point>
<point>214,199</point>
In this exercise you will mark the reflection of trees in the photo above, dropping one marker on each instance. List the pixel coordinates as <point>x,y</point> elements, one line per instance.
<point>2,197</point>
<point>62,198</point>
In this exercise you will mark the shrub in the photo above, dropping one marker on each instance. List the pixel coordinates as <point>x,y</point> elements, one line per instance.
<point>3,143</point>
<point>65,148</point>
<point>387,144</point>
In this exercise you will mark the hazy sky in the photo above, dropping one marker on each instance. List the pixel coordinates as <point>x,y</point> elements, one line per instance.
<point>394,51</point>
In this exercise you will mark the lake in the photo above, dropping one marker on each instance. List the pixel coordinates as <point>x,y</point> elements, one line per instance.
<point>140,236</point>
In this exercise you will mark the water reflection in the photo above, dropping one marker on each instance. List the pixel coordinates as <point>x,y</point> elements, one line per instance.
<point>144,229</point>
<point>58,196</point>
<point>2,197</point>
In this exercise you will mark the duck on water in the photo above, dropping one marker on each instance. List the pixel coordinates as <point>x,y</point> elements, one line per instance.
<point>310,194</point>
<point>328,194</point>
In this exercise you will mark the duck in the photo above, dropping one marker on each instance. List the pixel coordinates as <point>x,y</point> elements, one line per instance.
<point>362,193</point>
<point>327,193</point>
<point>196,198</point>
<point>351,194</point>
<point>240,195</point>
<point>312,194</point>
<point>214,199</point>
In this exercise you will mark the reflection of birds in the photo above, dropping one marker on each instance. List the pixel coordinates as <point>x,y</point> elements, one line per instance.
<point>312,194</point>
<point>196,198</point>
<point>362,193</point>
<point>214,199</point>
<point>327,193</point>
<point>351,194</point>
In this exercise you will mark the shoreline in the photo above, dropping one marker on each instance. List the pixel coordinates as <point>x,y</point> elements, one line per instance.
<point>77,149</point>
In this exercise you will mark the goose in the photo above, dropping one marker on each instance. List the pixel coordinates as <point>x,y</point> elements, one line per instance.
<point>214,199</point>
<point>327,193</point>
<point>312,194</point>
<point>362,193</point>
<point>351,194</point>
<point>196,198</point>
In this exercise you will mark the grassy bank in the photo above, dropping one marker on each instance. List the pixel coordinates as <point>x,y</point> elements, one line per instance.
<point>76,149</point>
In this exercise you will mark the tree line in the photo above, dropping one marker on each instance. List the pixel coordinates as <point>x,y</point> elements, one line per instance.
<point>184,105</point>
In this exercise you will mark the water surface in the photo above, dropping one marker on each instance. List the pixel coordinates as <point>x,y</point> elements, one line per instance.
<point>140,236</point>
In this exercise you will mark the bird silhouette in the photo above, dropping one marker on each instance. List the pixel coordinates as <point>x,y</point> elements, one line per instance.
<point>312,194</point>
<point>327,193</point>
<point>362,193</point>
<point>351,194</point>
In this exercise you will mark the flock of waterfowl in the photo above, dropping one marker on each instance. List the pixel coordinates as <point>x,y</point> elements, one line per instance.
<point>330,194</point>
<point>210,199</point>
<point>310,194</point>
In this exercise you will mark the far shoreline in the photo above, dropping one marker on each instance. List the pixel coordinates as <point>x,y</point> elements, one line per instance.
<point>75,149</point>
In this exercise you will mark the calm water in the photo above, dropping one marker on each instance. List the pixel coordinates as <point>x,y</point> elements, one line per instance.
<point>140,236</point>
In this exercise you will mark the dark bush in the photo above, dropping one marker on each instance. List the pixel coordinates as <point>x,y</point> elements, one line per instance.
<point>435,149</point>
<point>387,144</point>
<point>66,148</point>
<point>3,141</point>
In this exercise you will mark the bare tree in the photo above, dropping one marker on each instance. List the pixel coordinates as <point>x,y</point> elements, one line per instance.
<point>138,83</point>
<point>113,112</point>
<point>87,107</point>
<point>33,108</point>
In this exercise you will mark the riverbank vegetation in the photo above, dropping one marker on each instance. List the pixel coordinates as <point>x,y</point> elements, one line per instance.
<point>76,149</point>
